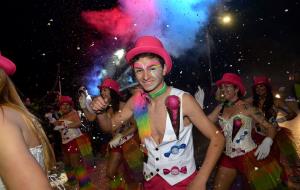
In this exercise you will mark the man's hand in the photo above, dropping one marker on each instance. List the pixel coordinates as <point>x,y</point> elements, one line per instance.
<point>99,105</point>
<point>199,96</point>
<point>263,149</point>
<point>116,140</point>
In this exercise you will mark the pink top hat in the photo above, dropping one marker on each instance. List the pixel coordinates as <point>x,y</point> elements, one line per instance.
<point>150,44</point>
<point>234,79</point>
<point>7,65</point>
<point>65,99</point>
<point>111,84</point>
<point>261,80</point>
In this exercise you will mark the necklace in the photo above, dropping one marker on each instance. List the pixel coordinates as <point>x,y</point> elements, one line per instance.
<point>159,92</point>
<point>229,103</point>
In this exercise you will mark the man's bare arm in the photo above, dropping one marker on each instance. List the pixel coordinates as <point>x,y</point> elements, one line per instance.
<point>213,116</point>
<point>106,123</point>
<point>192,110</point>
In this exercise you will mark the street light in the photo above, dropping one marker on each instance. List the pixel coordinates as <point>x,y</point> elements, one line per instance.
<point>224,20</point>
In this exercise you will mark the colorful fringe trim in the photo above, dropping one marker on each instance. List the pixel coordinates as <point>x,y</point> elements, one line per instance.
<point>287,147</point>
<point>132,153</point>
<point>71,176</point>
<point>141,116</point>
<point>118,183</point>
<point>264,174</point>
<point>84,145</point>
<point>285,152</point>
<point>133,160</point>
<point>83,178</point>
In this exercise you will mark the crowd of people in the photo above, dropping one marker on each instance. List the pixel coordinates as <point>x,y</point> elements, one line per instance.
<point>151,145</point>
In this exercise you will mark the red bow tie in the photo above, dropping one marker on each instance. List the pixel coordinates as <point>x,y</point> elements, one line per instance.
<point>175,170</point>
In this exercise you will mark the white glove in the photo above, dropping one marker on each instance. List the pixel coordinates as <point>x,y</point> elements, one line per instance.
<point>88,104</point>
<point>116,140</point>
<point>263,149</point>
<point>82,101</point>
<point>199,96</point>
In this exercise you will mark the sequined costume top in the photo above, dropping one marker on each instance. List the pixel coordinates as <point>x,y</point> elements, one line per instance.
<point>69,134</point>
<point>237,131</point>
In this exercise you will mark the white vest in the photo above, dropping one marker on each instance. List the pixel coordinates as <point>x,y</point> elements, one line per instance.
<point>242,142</point>
<point>68,134</point>
<point>173,159</point>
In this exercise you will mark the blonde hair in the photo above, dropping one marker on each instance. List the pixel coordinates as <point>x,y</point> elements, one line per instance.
<point>10,98</point>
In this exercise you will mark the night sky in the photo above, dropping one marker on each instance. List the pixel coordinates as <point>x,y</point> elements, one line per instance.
<point>40,35</point>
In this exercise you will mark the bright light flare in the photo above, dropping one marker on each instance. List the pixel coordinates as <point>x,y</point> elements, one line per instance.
<point>119,53</point>
<point>226,19</point>
<point>277,96</point>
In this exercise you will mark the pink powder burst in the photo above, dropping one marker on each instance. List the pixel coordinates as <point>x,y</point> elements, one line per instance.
<point>112,22</point>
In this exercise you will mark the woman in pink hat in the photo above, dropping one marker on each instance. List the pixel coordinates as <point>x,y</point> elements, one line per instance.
<point>75,144</point>
<point>284,148</point>
<point>165,118</point>
<point>25,153</point>
<point>122,137</point>
<point>242,155</point>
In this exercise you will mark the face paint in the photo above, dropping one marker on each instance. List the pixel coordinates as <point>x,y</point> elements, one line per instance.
<point>229,91</point>
<point>149,73</point>
<point>143,66</point>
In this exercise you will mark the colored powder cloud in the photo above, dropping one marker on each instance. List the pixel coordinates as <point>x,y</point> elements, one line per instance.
<point>175,22</point>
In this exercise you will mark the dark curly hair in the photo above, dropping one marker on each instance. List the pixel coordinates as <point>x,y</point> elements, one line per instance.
<point>268,104</point>
<point>115,100</point>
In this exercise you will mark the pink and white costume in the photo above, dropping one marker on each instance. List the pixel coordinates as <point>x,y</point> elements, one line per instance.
<point>173,160</point>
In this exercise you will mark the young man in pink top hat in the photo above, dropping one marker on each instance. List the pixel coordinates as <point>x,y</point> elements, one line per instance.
<point>164,116</point>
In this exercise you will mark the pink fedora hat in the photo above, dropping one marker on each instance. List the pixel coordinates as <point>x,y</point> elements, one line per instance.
<point>111,84</point>
<point>7,65</point>
<point>66,99</point>
<point>261,80</point>
<point>150,44</point>
<point>234,79</point>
